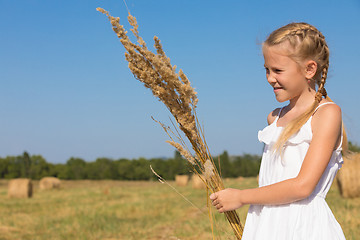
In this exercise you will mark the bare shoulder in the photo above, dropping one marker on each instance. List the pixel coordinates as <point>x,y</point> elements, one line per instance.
<point>327,118</point>
<point>272,115</point>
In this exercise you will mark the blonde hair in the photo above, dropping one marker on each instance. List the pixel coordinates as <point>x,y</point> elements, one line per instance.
<point>306,42</point>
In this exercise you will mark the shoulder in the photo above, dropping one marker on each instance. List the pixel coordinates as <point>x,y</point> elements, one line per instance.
<point>327,118</point>
<point>272,115</point>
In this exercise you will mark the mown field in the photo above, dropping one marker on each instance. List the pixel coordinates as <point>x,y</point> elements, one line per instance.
<point>110,210</point>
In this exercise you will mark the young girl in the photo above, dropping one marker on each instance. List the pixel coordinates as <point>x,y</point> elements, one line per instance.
<point>303,144</point>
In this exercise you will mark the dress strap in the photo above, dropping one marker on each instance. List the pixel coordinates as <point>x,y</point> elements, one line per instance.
<point>279,112</point>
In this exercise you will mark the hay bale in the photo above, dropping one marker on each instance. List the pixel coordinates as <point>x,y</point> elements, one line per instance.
<point>197,183</point>
<point>348,176</point>
<point>181,180</point>
<point>49,183</point>
<point>226,180</point>
<point>240,179</point>
<point>20,188</point>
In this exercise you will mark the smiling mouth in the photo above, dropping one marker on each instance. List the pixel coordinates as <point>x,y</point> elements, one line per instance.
<point>275,88</point>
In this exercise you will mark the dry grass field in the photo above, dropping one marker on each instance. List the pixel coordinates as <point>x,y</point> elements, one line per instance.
<point>110,210</point>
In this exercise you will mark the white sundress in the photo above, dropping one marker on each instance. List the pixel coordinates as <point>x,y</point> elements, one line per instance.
<point>306,219</point>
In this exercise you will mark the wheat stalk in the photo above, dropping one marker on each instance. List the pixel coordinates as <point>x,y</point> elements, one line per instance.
<point>175,91</point>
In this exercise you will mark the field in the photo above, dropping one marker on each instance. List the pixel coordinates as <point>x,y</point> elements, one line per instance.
<point>110,210</point>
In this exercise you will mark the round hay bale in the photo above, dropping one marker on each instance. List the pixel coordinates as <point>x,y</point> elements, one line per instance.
<point>348,176</point>
<point>20,188</point>
<point>197,183</point>
<point>181,180</point>
<point>49,183</point>
<point>240,179</point>
<point>226,180</point>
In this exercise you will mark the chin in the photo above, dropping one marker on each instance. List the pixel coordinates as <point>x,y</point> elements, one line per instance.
<point>281,99</point>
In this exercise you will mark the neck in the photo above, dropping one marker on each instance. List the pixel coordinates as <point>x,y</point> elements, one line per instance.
<point>302,101</point>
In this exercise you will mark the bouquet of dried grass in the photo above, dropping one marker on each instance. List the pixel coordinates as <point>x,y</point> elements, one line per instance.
<point>175,91</point>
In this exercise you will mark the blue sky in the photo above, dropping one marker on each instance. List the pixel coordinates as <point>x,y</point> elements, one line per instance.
<point>66,90</point>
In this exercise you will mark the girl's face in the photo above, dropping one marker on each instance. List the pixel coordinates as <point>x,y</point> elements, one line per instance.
<point>285,75</point>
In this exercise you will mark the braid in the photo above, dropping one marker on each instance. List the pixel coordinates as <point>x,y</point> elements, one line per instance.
<point>307,43</point>
<point>305,30</point>
<point>321,90</point>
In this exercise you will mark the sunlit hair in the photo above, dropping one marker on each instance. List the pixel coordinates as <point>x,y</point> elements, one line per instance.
<point>306,43</point>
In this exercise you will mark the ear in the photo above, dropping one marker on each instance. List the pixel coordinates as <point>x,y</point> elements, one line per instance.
<point>310,69</point>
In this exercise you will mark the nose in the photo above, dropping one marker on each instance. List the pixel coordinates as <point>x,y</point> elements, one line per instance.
<point>271,78</point>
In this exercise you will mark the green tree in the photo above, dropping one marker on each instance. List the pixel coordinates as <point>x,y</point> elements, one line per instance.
<point>59,170</point>
<point>27,165</point>
<point>4,165</point>
<point>225,165</point>
<point>15,167</point>
<point>76,168</point>
<point>38,167</point>
<point>102,168</point>
<point>141,169</point>
<point>246,165</point>
<point>161,167</point>
<point>124,169</point>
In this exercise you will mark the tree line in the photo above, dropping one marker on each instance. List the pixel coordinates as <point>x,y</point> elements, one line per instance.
<point>36,167</point>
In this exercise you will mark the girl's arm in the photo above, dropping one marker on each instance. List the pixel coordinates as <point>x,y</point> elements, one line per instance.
<point>326,125</point>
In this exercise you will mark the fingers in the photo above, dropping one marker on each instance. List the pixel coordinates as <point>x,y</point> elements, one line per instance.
<point>216,203</point>
<point>214,199</point>
<point>218,206</point>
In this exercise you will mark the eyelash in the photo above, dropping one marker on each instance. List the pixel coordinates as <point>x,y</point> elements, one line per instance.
<point>275,70</point>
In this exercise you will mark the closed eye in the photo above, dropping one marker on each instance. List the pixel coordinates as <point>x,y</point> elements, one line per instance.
<point>276,70</point>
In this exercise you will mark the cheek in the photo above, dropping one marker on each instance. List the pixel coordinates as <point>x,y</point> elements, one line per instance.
<point>300,81</point>
<point>294,81</point>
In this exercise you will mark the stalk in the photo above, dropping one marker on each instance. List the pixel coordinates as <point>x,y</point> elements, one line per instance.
<point>174,89</point>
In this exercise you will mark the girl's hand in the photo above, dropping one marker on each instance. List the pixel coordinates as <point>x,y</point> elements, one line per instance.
<point>226,200</point>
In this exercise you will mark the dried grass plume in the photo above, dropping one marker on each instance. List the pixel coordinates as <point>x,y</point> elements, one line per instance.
<point>173,88</point>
